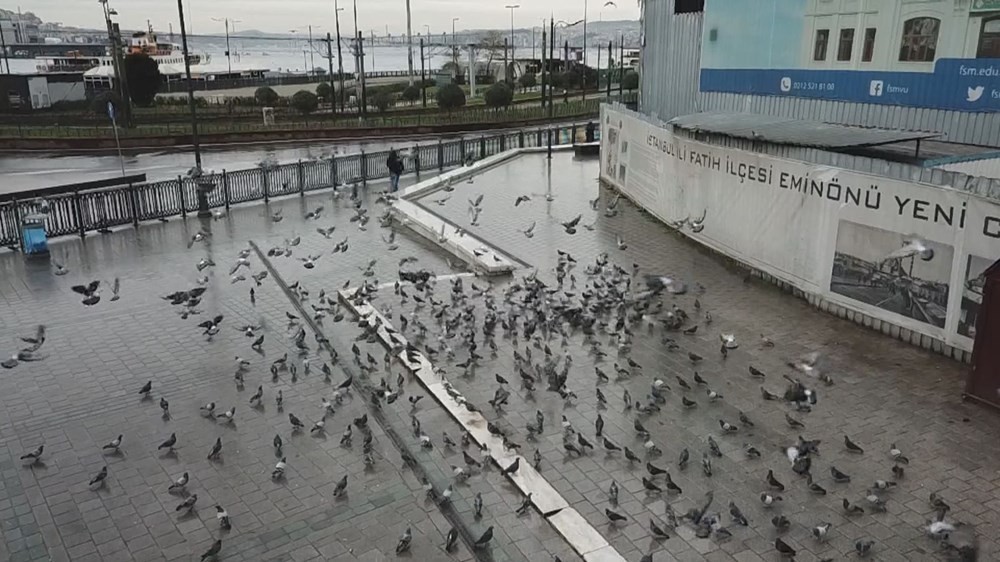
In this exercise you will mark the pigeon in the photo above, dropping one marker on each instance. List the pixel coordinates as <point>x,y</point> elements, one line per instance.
<point>484,540</point>
<point>179,484</point>
<point>512,469</point>
<point>781,522</point>
<point>296,422</point>
<point>477,505</point>
<point>839,476</point>
<point>213,550</point>
<point>613,492</point>
<point>90,293</point>
<point>864,547</point>
<point>852,509</point>
<point>165,406</point>
<point>35,455</point>
<point>216,449</point>
<point>188,504</point>
<point>279,469</point>
<point>341,486</point>
<point>852,447</point>
<point>783,549</point>
<point>821,531</point>
<point>737,515</point>
<point>773,482</point>
<point>223,516</point>
<point>657,532</point>
<point>115,444</point>
<point>451,540</point>
<point>525,505</point>
<point>897,455</point>
<point>169,443</point>
<point>98,481</point>
<point>404,541</point>
<point>614,517</point>
<point>768,500</point>
<point>146,388</point>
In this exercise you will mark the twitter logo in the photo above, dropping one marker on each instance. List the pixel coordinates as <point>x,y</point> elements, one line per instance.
<point>973,94</point>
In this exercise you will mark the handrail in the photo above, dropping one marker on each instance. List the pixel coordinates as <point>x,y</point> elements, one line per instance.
<point>81,208</point>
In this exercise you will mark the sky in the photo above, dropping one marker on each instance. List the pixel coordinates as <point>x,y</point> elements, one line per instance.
<point>282,16</point>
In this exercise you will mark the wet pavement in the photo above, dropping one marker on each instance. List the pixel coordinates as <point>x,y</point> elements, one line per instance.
<point>85,392</point>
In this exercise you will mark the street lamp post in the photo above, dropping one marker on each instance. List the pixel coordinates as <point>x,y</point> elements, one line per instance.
<point>204,185</point>
<point>312,61</point>
<point>454,50</point>
<point>511,7</point>
<point>409,41</point>
<point>229,58</point>
<point>340,53</point>
<point>583,77</point>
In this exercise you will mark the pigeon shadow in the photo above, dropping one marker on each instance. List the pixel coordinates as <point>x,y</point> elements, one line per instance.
<point>189,514</point>
<point>118,453</point>
<point>170,454</point>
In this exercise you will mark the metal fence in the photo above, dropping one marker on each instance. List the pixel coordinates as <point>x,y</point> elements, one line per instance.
<point>79,212</point>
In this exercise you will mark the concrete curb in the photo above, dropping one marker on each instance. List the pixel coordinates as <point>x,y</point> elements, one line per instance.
<point>581,535</point>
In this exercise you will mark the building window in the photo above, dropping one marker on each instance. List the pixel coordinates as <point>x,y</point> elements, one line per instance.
<point>846,44</point>
<point>989,39</point>
<point>819,48</point>
<point>920,37</point>
<point>868,50</point>
<point>688,6</point>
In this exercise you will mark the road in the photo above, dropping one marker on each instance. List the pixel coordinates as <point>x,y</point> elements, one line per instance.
<point>34,171</point>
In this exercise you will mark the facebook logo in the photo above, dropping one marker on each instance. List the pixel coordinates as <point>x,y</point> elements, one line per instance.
<point>875,88</point>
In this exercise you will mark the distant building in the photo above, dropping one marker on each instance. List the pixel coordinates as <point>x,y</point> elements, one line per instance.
<point>10,32</point>
<point>23,92</point>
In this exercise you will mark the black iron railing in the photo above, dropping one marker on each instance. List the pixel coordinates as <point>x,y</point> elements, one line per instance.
<point>82,211</point>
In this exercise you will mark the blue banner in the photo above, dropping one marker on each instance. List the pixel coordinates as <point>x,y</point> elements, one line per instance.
<point>959,84</point>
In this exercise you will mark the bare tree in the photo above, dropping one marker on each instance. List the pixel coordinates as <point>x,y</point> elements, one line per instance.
<point>492,43</point>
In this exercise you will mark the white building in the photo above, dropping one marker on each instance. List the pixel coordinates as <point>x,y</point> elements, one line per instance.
<point>898,35</point>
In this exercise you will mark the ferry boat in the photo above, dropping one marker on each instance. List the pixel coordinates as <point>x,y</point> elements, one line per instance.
<point>141,42</point>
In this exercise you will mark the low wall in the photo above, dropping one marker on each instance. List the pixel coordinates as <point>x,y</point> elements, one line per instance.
<point>832,235</point>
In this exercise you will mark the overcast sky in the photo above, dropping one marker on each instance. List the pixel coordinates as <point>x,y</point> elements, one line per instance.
<point>283,15</point>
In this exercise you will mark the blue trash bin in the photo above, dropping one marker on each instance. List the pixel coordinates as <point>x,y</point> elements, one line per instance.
<point>34,240</point>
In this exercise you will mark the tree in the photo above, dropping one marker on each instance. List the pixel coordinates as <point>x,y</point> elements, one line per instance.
<point>144,80</point>
<point>411,93</point>
<point>527,80</point>
<point>451,68</point>
<point>304,101</point>
<point>266,96</point>
<point>498,95</point>
<point>630,81</point>
<point>324,91</point>
<point>381,100</point>
<point>567,79</point>
<point>100,103</point>
<point>450,97</point>
<point>492,43</point>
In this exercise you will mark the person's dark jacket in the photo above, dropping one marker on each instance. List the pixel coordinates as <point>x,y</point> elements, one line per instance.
<point>394,164</point>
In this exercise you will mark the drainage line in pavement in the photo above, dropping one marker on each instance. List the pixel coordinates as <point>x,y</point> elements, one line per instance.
<point>364,390</point>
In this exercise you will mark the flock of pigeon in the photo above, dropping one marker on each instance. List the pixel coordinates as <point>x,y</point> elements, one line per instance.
<point>604,309</point>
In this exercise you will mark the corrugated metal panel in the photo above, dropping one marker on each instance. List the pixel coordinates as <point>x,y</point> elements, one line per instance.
<point>671,60</point>
<point>783,130</point>
<point>956,126</point>
<point>986,168</point>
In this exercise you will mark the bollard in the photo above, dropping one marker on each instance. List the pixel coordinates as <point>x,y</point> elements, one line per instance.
<point>520,139</point>
<point>572,138</point>
<point>76,208</point>
<point>364,169</point>
<point>180,191</point>
<point>264,182</point>
<point>440,155</point>
<point>333,171</point>
<point>302,183</point>
<point>416,160</point>
<point>134,204</point>
<point>482,147</point>
<point>225,189</point>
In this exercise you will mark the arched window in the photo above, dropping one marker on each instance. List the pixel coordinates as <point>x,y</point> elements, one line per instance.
<point>919,42</point>
<point>989,39</point>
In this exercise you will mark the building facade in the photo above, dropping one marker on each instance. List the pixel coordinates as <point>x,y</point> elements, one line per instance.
<point>929,65</point>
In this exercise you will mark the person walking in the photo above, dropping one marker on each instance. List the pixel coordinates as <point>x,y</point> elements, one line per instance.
<point>395,166</point>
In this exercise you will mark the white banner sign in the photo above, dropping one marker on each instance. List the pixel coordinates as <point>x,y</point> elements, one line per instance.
<point>908,253</point>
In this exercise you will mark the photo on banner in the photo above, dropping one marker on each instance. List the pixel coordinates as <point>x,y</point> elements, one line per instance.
<point>972,294</point>
<point>893,271</point>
